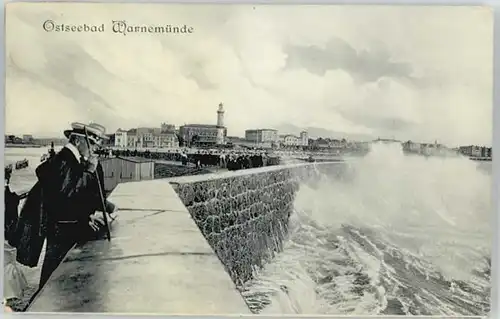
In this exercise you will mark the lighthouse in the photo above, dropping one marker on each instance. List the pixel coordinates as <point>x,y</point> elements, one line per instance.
<point>220,124</point>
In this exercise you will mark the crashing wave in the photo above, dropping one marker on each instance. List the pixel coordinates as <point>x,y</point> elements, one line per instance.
<point>397,239</point>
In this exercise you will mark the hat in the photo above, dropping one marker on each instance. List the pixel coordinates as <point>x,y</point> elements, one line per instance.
<point>95,132</point>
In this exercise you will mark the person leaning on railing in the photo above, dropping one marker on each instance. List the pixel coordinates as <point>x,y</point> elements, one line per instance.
<point>62,205</point>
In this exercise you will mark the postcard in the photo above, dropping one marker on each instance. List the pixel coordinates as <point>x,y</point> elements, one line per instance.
<point>248,159</point>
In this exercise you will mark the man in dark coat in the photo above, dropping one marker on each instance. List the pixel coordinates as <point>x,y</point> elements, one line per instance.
<point>71,194</point>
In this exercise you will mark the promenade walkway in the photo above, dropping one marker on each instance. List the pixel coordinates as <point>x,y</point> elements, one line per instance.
<point>157,262</point>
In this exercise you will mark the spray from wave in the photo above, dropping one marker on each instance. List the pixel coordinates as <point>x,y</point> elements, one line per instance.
<point>405,235</point>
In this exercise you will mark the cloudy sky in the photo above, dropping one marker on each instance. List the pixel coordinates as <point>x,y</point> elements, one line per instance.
<point>420,73</point>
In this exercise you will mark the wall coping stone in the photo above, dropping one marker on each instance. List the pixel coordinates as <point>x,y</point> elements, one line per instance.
<point>243,172</point>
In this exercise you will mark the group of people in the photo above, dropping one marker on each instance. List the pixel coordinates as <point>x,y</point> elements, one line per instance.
<point>62,208</point>
<point>230,160</point>
<point>247,160</point>
<point>233,160</point>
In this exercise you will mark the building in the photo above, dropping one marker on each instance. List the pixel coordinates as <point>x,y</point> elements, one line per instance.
<point>220,126</point>
<point>289,140</point>
<point>201,134</point>
<point>475,151</point>
<point>427,149</point>
<point>412,147</point>
<point>304,138</point>
<point>335,143</point>
<point>132,139</point>
<point>157,137</point>
<point>292,140</point>
<point>121,138</point>
<point>470,150</point>
<point>48,141</point>
<point>259,136</point>
<point>27,138</point>
<point>168,136</point>
<point>205,134</point>
<point>147,137</point>
<point>486,152</point>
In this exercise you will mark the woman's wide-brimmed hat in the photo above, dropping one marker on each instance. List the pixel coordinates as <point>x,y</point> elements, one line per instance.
<point>95,132</point>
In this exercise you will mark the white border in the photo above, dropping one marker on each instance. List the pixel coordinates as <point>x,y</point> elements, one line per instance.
<point>495,4</point>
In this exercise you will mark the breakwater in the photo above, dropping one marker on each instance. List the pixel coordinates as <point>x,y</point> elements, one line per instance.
<point>244,217</point>
<point>210,231</point>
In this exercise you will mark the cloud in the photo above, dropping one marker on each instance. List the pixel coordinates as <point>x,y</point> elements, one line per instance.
<point>364,65</point>
<point>382,71</point>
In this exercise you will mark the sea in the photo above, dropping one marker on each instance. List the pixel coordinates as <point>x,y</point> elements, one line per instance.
<point>405,235</point>
<point>24,179</point>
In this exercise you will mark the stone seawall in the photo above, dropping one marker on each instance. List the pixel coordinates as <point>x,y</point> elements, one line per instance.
<point>244,216</point>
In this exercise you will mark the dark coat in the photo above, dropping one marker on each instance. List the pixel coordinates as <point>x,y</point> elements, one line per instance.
<point>31,228</point>
<point>70,193</point>
<point>64,193</point>
<point>11,214</point>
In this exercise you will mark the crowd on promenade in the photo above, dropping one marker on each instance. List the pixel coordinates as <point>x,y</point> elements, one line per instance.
<point>231,160</point>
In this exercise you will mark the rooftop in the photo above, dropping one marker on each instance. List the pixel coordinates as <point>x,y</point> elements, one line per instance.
<point>262,129</point>
<point>199,125</point>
